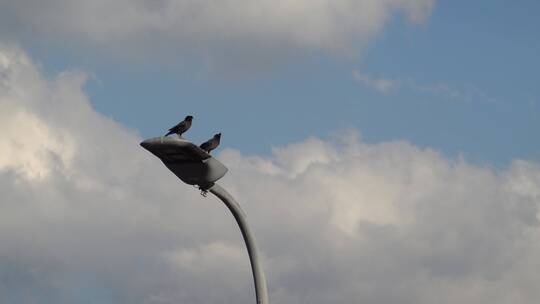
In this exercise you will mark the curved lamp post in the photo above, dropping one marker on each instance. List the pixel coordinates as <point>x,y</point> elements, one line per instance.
<point>196,167</point>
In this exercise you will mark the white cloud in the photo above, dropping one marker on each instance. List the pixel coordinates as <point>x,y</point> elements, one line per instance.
<point>383,85</point>
<point>88,216</point>
<point>387,85</point>
<point>245,28</point>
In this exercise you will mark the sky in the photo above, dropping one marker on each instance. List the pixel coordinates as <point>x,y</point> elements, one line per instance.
<point>466,71</point>
<point>385,151</point>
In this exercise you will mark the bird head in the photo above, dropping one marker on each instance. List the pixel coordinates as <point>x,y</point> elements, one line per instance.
<point>189,118</point>
<point>218,136</point>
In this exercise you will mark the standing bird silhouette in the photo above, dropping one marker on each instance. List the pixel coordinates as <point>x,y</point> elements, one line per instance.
<point>181,127</point>
<point>211,144</point>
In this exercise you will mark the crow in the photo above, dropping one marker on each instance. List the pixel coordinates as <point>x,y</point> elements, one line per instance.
<point>181,127</point>
<point>211,144</point>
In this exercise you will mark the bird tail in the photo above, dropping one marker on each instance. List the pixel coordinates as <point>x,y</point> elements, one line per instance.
<point>169,133</point>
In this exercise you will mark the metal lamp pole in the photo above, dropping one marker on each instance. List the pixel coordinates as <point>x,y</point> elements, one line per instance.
<point>196,167</point>
<point>261,292</point>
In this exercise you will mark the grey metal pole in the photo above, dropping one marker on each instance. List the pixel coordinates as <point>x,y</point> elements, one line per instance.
<point>261,292</point>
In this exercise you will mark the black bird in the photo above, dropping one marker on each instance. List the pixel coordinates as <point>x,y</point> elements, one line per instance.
<point>181,127</point>
<point>211,144</point>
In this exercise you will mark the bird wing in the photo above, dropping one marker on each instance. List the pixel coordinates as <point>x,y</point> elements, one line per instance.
<point>179,127</point>
<point>205,145</point>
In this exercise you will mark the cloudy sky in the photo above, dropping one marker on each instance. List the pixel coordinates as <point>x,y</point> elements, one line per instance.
<point>386,151</point>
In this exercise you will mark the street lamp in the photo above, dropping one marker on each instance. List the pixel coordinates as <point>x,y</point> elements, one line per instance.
<point>196,167</point>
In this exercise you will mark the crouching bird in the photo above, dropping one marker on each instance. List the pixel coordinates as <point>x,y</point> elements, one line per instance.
<point>181,127</point>
<point>211,144</point>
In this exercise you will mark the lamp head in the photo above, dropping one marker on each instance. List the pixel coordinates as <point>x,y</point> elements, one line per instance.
<point>186,160</point>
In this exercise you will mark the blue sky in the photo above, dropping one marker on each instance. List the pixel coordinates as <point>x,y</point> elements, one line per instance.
<point>485,51</point>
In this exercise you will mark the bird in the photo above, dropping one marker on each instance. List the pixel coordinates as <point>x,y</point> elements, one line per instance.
<point>211,144</point>
<point>181,127</point>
